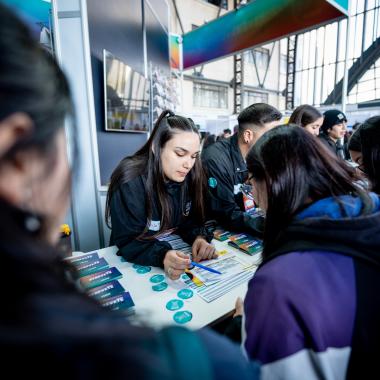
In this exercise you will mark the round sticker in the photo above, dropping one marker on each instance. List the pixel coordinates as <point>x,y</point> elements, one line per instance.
<point>185,293</point>
<point>185,277</point>
<point>160,287</point>
<point>174,305</point>
<point>143,270</point>
<point>136,266</point>
<point>212,182</point>
<point>182,317</point>
<point>157,278</point>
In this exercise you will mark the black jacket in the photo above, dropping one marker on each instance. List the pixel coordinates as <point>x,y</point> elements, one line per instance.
<point>50,329</point>
<point>227,171</point>
<point>335,147</point>
<point>129,219</point>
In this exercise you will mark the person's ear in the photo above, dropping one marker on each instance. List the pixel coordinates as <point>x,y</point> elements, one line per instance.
<point>12,129</point>
<point>248,135</point>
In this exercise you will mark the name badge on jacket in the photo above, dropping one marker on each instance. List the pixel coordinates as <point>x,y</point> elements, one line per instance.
<point>154,225</point>
<point>237,188</point>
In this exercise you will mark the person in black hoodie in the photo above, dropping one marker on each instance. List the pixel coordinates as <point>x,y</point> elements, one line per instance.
<point>333,129</point>
<point>48,327</point>
<point>157,190</point>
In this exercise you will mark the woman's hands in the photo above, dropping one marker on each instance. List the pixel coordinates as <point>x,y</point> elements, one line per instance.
<point>202,250</point>
<point>175,262</point>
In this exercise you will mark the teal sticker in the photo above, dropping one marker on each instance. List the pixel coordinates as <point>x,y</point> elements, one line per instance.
<point>212,182</point>
<point>157,278</point>
<point>182,317</point>
<point>136,266</point>
<point>160,287</point>
<point>143,270</point>
<point>185,277</point>
<point>185,294</point>
<point>174,305</point>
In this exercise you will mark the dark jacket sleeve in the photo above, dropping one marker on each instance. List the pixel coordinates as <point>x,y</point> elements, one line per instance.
<point>222,205</point>
<point>190,229</point>
<point>128,218</point>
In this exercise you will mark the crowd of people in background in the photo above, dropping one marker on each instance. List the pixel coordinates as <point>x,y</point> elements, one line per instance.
<point>311,311</point>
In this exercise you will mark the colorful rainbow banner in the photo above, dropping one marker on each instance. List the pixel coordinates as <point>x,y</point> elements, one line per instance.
<point>175,46</point>
<point>257,23</point>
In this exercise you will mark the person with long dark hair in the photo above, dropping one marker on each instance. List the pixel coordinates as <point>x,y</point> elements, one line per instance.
<point>312,308</point>
<point>307,117</point>
<point>48,327</point>
<point>158,189</point>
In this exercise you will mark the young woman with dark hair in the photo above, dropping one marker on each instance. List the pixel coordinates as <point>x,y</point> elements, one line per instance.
<point>158,189</point>
<point>312,309</point>
<point>49,328</point>
<point>307,117</point>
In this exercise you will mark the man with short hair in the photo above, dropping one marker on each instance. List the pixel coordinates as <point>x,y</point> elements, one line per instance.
<point>332,130</point>
<point>226,169</point>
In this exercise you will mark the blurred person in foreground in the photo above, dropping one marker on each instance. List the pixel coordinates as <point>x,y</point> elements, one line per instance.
<point>47,324</point>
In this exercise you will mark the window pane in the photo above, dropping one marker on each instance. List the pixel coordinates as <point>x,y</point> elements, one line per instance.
<point>210,96</point>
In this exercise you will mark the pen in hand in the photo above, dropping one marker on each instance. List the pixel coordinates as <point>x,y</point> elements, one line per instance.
<point>204,267</point>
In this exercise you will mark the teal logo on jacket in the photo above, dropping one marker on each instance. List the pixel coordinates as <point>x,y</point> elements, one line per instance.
<point>212,182</point>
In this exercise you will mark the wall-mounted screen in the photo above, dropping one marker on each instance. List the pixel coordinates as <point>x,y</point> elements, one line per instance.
<point>126,94</point>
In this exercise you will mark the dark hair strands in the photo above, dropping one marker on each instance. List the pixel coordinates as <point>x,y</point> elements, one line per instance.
<point>304,115</point>
<point>298,170</point>
<point>257,114</point>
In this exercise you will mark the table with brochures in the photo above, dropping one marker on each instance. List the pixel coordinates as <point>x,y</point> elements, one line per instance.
<point>197,299</point>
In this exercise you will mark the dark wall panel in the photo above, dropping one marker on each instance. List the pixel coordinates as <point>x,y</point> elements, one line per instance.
<point>117,26</point>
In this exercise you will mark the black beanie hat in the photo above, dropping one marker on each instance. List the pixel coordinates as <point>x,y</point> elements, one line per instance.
<point>331,118</point>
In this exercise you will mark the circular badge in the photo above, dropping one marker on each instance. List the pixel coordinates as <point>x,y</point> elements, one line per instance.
<point>160,287</point>
<point>174,305</point>
<point>157,278</point>
<point>185,294</point>
<point>182,317</point>
<point>143,270</point>
<point>212,182</point>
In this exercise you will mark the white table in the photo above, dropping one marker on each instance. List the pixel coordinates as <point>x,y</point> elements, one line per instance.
<point>150,306</point>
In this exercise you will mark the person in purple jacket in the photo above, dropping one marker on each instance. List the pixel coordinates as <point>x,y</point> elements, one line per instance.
<point>312,310</point>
